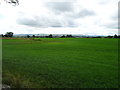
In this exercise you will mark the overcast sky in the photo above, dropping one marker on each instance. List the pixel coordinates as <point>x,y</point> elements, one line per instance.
<point>87,17</point>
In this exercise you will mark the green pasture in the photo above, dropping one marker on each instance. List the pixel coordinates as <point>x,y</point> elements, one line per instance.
<point>60,62</point>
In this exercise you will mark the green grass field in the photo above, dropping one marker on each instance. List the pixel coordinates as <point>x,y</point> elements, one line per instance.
<point>61,62</point>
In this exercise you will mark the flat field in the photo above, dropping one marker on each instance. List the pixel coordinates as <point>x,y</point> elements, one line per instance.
<point>60,62</point>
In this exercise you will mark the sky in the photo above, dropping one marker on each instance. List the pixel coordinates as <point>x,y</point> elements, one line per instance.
<point>85,17</point>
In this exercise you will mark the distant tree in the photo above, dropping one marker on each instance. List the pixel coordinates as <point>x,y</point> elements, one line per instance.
<point>99,37</point>
<point>115,36</point>
<point>87,37</point>
<point>118,36</point>
<point>33,36</point>
<point>1,35</point>
<point>69,36</point>
<point>96,37</point>
<point>8,34</point>
<point>63,36</point>
<point>109,36</point>
<point>28,36</point>
<point>50,36</point>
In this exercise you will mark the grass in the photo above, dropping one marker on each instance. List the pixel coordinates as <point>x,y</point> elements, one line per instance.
<point>61,62</point>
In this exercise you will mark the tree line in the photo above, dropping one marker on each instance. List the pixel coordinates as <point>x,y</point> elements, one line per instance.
<point>10,34</point>
<point>49,36</point>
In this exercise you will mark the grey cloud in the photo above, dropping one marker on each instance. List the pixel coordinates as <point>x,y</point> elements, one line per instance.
<point>85,13</point>
<point>112,25</point>
<point>33,22</point>
<point>39,22</point>
<point>104,2</point>
<point>60,7</point>
<point>44,22</point>
<point>28,22</point>
<point>71,22</point>
<point>55,19</point>
<point>115,17</point>
<point>81,14</point>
